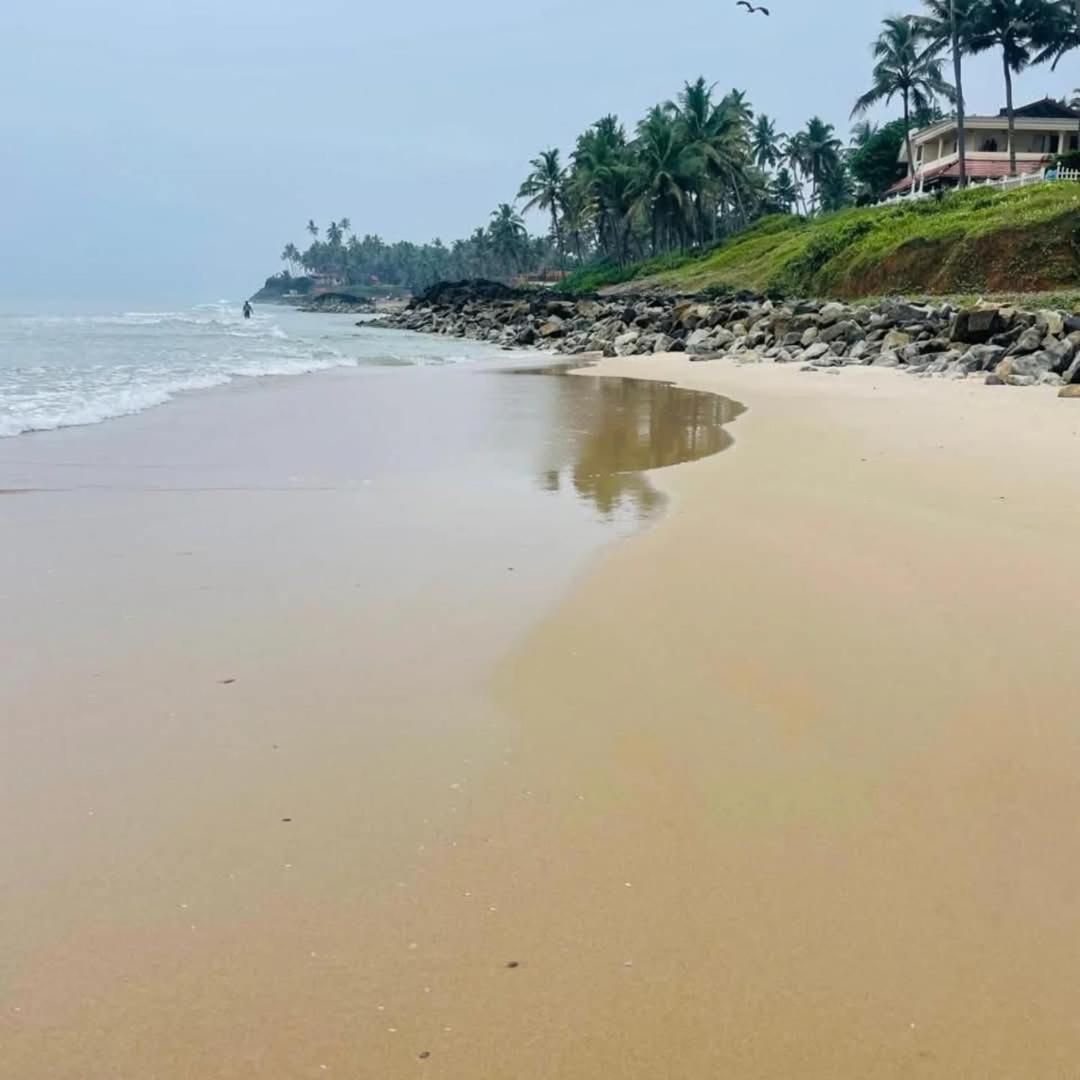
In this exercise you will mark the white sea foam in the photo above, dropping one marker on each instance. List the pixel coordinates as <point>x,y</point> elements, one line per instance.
<point>63,371</point>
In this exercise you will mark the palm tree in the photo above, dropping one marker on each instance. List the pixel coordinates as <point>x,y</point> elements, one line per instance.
<point>543,187</point>
<point>345,225</point>
<point>906,68</point>
<point>313,229</point>
<point>1019,28</point>
<point>862,132</point>
<point>949,23</point>
<point>669,170</point>
<point>765,143</point>
<point>783,192</point>
<point>1063,39</point>
<point>816,153</point>
<point>291,255</point>
<point>508,235</point>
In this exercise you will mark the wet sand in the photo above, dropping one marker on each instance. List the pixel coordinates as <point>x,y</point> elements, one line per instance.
<point>248,646</point>
<point>784,786</point>
<point>811,756</point>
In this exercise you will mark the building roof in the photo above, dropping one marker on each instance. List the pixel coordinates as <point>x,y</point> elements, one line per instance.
<point>1046,109</point>
<point>976,170</point>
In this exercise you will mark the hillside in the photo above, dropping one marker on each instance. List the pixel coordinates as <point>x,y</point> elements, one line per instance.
<point>976,241</point>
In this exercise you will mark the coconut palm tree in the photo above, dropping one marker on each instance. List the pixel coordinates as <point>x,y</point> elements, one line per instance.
<point>1063,39</point>
<point>948,23</point>
<point>783,191</point>
<point>669,171</point>
<point>543,187</point>
<point>906,68</point>
<point>313,229</point>
<point>508,236</point>
<point>816,150</point>
<point>291,255</point>
<point>862,132</point>
<point>765,143</point>
<point>1022,30</point>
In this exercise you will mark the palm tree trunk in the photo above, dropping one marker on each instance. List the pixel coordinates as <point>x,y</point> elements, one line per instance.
<point>959,76</point>
<point>1011,114</point>
<point>907,139</point>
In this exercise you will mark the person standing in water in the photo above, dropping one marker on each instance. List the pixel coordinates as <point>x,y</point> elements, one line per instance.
<point>248,309</point>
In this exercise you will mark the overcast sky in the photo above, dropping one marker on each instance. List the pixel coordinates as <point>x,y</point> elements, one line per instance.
<point>152,149</point>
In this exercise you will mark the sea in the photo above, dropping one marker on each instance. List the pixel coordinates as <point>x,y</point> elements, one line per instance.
<point>65,369</point>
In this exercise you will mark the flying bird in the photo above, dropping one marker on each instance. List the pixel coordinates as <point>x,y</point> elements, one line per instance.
<point>750,9</point>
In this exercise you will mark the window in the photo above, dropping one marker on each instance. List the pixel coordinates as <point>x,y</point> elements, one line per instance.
<point>989,146</point>
<point>1074,141</point>
<point>1051,144</point>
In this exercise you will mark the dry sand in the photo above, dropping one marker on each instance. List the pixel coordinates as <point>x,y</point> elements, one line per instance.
<point>785,788</point>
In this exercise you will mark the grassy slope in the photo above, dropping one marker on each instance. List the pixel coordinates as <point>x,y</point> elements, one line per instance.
<point>979,241</point>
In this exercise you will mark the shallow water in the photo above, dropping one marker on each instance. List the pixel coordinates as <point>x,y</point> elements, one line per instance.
<point>64,369</point>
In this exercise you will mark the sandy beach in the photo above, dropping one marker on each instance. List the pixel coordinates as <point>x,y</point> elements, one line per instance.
<point>780,784</point>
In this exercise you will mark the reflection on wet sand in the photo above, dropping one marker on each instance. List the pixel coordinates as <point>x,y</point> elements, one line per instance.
<point>615,430</point>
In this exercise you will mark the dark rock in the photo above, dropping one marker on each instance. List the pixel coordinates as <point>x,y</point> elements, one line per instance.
<point>976,326</point>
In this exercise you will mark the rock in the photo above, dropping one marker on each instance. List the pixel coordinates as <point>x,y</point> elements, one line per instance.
<point>526,337</point>
<point>831,313</point>
<point>846,329</point>
<point>809,336</point>
<point>976,326</point>
<point>625,344</point>
<point>1063,353</point>
<point>983,357</point>
<point>1050,322</point>
<point>860,353</point>
<point>886,358</point>
<point>994,380</point>
<point>663,343</point>
<point>554,327</point>
<point>700,341</point>
<point>895,339</point>
<point>1069,392</point>
<point>904,313</point>
<point>1072,373</point>
<point>1028,366</point>
<point>1029,341</point>
<point>1072,325</point>
<point>815,351</point>
<point>723,338</point>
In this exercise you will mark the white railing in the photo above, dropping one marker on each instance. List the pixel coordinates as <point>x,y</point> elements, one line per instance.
<point>1005,183</point>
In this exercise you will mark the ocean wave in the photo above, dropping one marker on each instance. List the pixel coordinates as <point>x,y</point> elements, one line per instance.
<point>108,403</point>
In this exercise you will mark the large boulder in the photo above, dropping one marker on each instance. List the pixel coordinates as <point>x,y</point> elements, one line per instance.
<point>700,341</point>
<point>1050,322</point>
<point>846,329</point>
<point>554,327</point>
<point>1016,370</point>
<point>831,313</point>
<point>626,344</point>
<point>1030,341</point>
<point>817,350</point>
<point>976,326</point>
<point>895,339</point>
<point>984,357</point>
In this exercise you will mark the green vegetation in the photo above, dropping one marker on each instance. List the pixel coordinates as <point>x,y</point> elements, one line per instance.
<point>684,184</point>
<point>981,240</point>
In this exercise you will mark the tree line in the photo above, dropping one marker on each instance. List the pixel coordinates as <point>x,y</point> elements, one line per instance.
<point>700,166</point>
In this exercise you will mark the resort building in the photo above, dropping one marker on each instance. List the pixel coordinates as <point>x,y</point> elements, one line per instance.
<point>1043,130</point>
